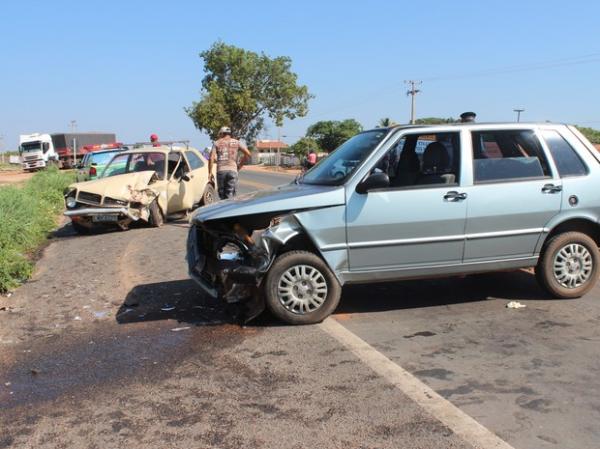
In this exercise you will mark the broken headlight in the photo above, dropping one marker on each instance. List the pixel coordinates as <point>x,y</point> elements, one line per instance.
<point>70,199</point>
<point>230,252</point>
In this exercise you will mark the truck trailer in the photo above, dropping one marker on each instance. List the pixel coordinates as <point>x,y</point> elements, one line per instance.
<point>40,150</point>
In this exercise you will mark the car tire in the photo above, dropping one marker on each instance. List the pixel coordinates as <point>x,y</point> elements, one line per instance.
<point>208,196</point>
<point>156,218</point>
<point>301,289</point>
<point>568,266</point>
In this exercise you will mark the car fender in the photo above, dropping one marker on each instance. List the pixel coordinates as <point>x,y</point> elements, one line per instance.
<point>557,220</point>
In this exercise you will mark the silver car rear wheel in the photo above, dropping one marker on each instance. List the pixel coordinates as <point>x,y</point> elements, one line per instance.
<point>568,265</point>
<point>302,289</point>
<point>573,265</point>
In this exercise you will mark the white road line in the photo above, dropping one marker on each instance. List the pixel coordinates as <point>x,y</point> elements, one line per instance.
<point>458,421</point>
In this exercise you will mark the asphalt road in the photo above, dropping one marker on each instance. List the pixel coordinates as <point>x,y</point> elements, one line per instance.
<point>110,345</point>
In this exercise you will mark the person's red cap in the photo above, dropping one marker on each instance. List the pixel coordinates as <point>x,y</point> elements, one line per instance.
<point>153,137</point>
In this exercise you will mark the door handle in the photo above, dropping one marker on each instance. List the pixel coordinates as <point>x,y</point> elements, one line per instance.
<point>454,196</point>
<point>551,188</point>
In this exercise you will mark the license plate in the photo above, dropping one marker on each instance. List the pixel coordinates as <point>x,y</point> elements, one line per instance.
<point>105,218</point>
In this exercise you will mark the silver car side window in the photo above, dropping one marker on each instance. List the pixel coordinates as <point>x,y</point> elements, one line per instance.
<point>423,160</point>
<point>508,155</point>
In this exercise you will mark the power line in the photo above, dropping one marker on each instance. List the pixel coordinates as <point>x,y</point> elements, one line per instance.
<point>576,60</point>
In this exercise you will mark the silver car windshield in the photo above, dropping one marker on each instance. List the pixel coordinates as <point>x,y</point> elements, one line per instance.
<point>341,163</point>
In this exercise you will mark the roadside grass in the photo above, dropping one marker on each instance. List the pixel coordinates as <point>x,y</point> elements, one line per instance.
<point>27,215</point>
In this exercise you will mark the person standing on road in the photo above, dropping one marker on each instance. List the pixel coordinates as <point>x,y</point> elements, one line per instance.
<point>311,159</point>
<point>225,153</point>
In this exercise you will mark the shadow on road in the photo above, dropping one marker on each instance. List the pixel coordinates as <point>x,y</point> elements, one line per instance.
<point>514,285</point>
<point>174,300</point>
<point>182,300</point>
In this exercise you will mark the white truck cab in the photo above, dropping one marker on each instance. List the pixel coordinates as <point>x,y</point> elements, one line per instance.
<point>36,151</point>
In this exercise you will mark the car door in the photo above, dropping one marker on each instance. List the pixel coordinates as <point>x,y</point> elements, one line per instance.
<point>418,221</point>
<point>198,175</point>
<point>513,196</point>
<point>180,194</point>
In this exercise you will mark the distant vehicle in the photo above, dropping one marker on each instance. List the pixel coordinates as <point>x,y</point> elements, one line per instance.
<point>477,198</point>
<point>146,184</point>
<point>93,164</point>
<point>39,150</point>
<point>86,143</point>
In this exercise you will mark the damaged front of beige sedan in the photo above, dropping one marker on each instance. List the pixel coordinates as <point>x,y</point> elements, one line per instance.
<point>146,185</point>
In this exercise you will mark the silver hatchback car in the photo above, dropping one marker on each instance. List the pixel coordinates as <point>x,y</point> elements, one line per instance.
<point>415,202</point>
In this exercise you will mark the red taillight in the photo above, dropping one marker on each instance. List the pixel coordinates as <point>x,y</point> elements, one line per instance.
<point>93,171</point>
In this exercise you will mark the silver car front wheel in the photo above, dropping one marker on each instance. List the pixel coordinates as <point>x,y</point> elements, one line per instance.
<point>302,289</point>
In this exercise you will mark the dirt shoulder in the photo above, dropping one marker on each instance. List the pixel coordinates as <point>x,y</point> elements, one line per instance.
<point>9,177</point>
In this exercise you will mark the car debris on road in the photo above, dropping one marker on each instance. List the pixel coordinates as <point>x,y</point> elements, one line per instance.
<point>515,305</point>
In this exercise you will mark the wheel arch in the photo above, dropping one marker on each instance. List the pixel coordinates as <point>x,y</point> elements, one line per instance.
<point>585,225</point>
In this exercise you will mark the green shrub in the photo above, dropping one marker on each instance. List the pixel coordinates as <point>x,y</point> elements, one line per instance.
<point>27,215</point>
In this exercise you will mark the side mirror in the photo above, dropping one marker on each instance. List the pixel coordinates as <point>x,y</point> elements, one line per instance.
<point>185,178</point>
<point>94,164</point>
<point>373,181</point>
<point>45,146</point>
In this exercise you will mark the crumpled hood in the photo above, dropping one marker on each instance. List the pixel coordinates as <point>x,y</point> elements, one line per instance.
<point>283,198</point>
<point>118,187</point>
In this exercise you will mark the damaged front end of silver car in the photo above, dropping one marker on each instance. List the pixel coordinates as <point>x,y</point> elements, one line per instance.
<point>229,258</point>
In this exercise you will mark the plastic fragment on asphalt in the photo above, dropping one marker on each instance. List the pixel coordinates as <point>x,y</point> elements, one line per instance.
<point>77,318</point>
<point>515,305</point>
<point>167,308</point>
<point>177,329</point>
<point>34,371</point>
<point>102,314</point>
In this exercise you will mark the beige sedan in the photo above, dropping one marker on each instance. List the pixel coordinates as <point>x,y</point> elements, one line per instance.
<point>147,184</point>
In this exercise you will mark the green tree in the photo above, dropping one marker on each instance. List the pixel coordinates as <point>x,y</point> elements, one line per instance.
<point>330,134</point>
<point>434,120</point>
<point>593,135</point>
<point>242,88</point>
<point>386,122</point>
<point>303,146</point>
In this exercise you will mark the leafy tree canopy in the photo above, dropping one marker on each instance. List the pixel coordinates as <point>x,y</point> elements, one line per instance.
<point>303,146</point>
<point>593,135</point>
<point>330,134</point>
<point>242,88</point>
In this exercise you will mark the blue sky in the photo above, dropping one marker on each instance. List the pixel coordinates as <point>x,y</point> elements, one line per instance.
<point>132,66</point>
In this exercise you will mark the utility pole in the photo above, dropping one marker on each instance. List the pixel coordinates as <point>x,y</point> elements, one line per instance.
<point>518,111</point>
<point>413,91</point>
<point>74,142</point>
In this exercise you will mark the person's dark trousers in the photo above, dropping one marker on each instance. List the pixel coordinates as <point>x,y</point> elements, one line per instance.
<point>227,182</point>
